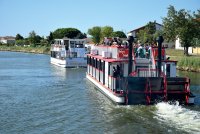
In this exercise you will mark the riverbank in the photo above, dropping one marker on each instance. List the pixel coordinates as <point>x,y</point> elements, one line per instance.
<point>190,63</point>
<point>185,63</point>
<point>26,49</point>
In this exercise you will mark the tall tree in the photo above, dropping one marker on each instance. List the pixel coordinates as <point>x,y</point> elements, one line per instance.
<point>50,37</point>
<point>95,32</point>
<point>32,37</point>
<point>37,39</point>
<point>119,34</point>
<point>106,31</point>
<point>197,23</point>
<point>147,35</point>
<point>19,37</point>
<point>65,32</point>
<point>180,24</point>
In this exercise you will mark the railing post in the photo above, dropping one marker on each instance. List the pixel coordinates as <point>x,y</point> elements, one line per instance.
<point>159,40</point>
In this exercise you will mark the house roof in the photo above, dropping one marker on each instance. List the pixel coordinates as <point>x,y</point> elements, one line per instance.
<point>7,38</point>
<point>137,29</point>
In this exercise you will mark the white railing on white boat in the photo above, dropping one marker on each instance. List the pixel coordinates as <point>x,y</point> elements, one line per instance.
<point>57,47</point>
<point>97,74</point>
<point>112,83</point>
<point>101,76</point>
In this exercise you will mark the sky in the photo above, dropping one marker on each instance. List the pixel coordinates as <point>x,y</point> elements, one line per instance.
<point>45,16</point>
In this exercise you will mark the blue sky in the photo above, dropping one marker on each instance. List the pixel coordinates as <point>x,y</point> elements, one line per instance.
<point>43,16</point>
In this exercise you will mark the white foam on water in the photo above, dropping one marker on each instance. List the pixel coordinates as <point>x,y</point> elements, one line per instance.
<point>178,117</point>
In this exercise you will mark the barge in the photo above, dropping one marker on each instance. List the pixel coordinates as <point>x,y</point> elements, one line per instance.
<point>128,76</point>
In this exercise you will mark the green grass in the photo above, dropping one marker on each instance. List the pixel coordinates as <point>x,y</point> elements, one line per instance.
<point>29,49</point>
<point>174,52</point>
<point>189,63</point>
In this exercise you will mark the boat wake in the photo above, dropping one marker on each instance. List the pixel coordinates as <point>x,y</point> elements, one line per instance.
<point>179,117</point>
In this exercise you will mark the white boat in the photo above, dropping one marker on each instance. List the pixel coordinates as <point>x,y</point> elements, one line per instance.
<point>138,79</point>
<point>69,53</point>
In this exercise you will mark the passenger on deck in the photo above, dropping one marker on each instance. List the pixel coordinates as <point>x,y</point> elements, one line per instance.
<point>149,51</point>
<point>140,51</point>
<point>118,71</point>
<point>114,72</point>
<point>125,44</point>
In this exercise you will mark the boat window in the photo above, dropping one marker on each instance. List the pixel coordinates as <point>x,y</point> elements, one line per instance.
<point>53,54</point>
<point>79,45</point>
<point>74,54</point>
<point>72,42</point>
<point>72,45</point>
<point>66,43</point>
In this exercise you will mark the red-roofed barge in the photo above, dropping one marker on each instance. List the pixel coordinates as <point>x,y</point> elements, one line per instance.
<point>108,68</point>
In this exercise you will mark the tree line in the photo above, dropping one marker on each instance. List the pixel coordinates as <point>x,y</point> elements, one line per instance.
<point>34,40</point>
<point>180,24</point>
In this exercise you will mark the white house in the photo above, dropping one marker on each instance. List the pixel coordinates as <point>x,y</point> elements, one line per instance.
<point>178,46</point>
<point>7,40</point>
<point>158,28</point>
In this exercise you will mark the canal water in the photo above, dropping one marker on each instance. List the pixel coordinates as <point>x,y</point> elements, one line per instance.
<point>37,97</point>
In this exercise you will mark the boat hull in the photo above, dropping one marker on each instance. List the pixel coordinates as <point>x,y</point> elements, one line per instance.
<point>69,62</point>
<point>105,90</point>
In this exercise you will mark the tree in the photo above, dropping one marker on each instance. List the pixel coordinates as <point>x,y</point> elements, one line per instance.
<point>180,24</point>
<point>95,32</point>
<point>119,34</point>
<point>37,39</point>
<point>65,32</point>
<point>50,37</point>
<point>147,35</point>
<point>20,42</point>
<point>169,24</point>
<point>106,31</point>
<point>81,36</point>
<point>197,23</point>
<point>19,37</point>
<point>32,37</point>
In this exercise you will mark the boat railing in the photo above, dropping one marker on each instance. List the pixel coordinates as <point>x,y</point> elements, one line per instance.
<point>145,72</point>
<point>96,73</point>
<point>116,84</point>
<point>57,47</point>
<point>101,76</point>
<point>111,82</point>
<point>74,55</point>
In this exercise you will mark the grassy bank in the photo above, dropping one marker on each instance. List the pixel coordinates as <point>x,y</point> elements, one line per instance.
<point>187,63</point>
<point>27,49</point>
